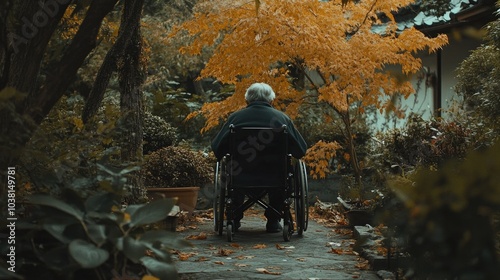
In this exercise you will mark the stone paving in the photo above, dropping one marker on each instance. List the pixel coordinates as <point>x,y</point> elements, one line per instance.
<point>321,253</point>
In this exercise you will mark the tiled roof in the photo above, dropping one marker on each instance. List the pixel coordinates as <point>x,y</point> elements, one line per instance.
<point>421,19</point>
<point>413,16</point>
<point>457,6</point>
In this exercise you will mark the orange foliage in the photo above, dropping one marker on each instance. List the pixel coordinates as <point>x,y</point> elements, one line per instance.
<point>346,61</point>
<point>71,21</point>
<point>319,155</point>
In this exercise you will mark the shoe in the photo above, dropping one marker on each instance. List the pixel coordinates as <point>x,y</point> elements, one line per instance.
<point>273,226</point>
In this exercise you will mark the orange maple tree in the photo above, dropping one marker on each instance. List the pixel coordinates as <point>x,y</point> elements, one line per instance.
<point>333,43</point>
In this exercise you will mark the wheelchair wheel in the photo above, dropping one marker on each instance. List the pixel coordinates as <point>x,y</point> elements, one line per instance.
<point>219,199</point>
<point>301,193</point>
<point>287,226</point>
<point>229,232</point>
<point>305,195</point>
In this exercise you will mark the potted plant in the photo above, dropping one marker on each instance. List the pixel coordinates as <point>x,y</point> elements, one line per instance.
<point>177,171</point>
<point>357,204</point>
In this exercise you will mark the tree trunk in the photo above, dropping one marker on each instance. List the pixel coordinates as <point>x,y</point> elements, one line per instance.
<point>352,153</point>
<point>62,74</point>
<point>131,77</point>
<point>5,8</point>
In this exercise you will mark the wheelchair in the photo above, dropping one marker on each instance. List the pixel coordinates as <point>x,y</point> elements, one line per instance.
<point>258,162</point>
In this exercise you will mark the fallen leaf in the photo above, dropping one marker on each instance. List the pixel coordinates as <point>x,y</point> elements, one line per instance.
<point>281,247</point>
<point>265,271</point>
<point>236,245</point>
<point>241,264</point>
<point>259,246</point>
<point>219,262</point>
<point>364,265</point>
<point>185,256</point>
<point>180,228</point>
<point>201,259</point>
<point>301,259</point>
<point>338,251</point>
<point>382,251</point>
<point>244,257</point>
<point>200,236</point>
<point>224,252</point>
<point>343,231</point>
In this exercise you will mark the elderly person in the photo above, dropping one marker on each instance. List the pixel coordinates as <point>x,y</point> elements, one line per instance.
<point>260,113</point>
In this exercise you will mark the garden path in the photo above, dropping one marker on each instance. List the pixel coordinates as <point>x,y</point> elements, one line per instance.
<point>321,253</point>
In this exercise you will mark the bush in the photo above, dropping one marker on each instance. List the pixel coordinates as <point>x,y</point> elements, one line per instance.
<point>158,133</point>
<point>478,76</point>
<point>421,142</point>
<point>177,166</point>
<point>450,212</point>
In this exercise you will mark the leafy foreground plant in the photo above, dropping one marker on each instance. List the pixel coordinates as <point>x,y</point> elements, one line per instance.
<point>72,238</point>
<point>451,211</point>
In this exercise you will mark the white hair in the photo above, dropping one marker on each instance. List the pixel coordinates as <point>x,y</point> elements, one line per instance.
<point>259,92</point>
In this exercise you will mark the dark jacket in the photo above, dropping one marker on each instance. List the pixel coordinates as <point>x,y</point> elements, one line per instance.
<point>259,114</point>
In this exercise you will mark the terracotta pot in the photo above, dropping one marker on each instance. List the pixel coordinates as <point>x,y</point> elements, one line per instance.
<point>186,196</point>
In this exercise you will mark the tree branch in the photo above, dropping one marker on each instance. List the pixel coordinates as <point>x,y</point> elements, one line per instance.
<point>365,19</point>
<point>28,42</point>
<point>63,73</point>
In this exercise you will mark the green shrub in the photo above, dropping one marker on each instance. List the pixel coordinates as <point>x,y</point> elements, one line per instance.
<point>177,166</point>
<point>158,133</point>
<point>422,142</point>
<point>450,212</point>
<point>478,76</point>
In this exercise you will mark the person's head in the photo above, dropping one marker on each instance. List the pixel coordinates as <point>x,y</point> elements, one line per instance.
<point>259,92</point>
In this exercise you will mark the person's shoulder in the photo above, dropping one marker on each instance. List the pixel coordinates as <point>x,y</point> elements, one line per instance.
<point>281,113</point>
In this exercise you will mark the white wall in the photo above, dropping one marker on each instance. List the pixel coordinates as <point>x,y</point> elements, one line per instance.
<point>422,102</point>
